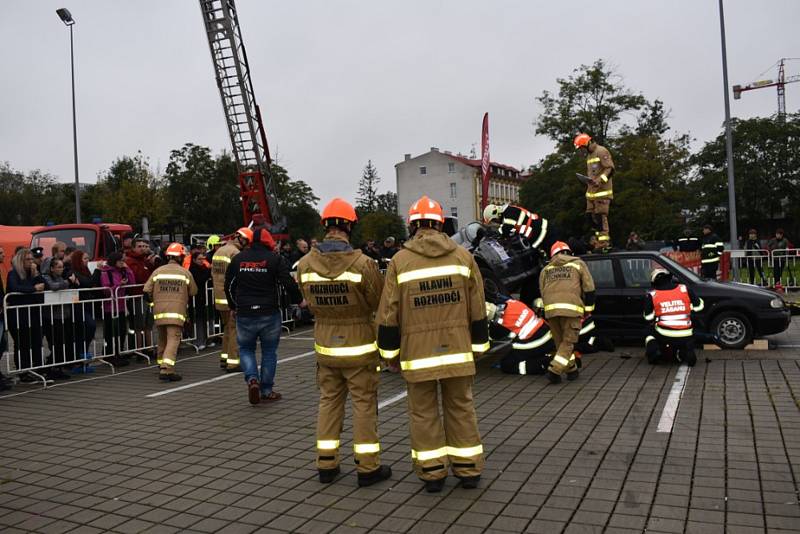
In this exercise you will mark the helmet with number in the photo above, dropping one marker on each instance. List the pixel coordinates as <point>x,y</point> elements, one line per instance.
<point>246,233</point>
<point>559,246</point>
<point>426,209</point>
<point>492,212</point>
<point>175,250</point>
<point>338,211</point>
<point>658,273</point>
<point>212,240</point>
<point>582,139</point>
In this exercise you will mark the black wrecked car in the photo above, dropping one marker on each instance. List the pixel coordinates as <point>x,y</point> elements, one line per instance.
<point>734,313</point>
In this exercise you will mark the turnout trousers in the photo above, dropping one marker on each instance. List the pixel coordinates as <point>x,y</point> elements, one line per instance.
<point>169,340</point>
<point>229,357</point>
<point>565,331</point>
<point>457,443</point>
<point>334,384</point>
<point>679,348</point>
<point>598,210</point>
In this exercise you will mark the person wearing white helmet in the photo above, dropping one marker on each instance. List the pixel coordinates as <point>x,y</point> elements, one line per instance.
<point>668,307</point>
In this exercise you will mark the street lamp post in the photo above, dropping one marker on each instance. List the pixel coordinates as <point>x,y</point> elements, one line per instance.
<point>728,137</point>
<point>66,18</point>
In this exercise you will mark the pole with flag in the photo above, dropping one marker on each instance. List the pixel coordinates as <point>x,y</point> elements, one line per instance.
<point>485,166</point>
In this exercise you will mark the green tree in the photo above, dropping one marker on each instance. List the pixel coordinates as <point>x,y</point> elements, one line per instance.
<point>378,226</point>
<point>367,198</point>
<point>34,198</point>
<point>386,202</point>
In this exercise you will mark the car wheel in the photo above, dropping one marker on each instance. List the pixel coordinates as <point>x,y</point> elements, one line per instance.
<point>491,283</point>
<point>732,330</point>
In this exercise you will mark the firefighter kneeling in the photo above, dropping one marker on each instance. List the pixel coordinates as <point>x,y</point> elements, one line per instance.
<point>669,306</point>
<point>432,318</point>
<point>532,342</point>
<point>343,288</point>
<point>567,294</point>
<point>169,288</point>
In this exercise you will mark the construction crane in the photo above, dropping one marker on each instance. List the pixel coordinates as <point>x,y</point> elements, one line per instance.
<point>780,83</point>
<point>242,115</point>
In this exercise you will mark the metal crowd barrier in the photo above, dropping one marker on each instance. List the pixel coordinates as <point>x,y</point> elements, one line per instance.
<point>765,268</point>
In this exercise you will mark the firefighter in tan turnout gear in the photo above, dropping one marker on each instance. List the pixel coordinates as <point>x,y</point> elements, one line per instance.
<point>229,357</point>
<point>599,190</point>
<point>343,287</point>
<point>169,288</point>
<point>567,294</point>
<point>432,317</point>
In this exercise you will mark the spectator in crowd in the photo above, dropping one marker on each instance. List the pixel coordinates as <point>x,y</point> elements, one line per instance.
<point>58,251</point>
<point>755,256</point>
<point>778,247</point>
<point>83,311</point>
<point>25,329</point>
<point>300,251</point>
<point>389,249</point>
<point>371,250</point>
<point>38,258</point>
<point>4,384</point>
<point>286,252</point>
<point>201,272</point>
<point>142,262</point>
<point>114,275</point>
<point>127,242</point>
<point>59,328</point>
<point>634,242</point>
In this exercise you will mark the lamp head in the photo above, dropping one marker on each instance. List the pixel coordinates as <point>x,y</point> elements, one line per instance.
<point>65,16</point>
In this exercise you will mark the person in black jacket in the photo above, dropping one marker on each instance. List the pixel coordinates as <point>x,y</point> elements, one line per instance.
<point>756,256</point>
<point>25,326</point>
<point>251,287</point>
<point>686,243</point>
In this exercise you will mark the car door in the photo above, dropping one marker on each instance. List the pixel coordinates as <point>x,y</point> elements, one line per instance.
<point>607,290</point>
<point>635,273</point>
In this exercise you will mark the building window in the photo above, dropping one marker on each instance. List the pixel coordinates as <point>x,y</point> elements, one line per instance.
<point>454,211</point>
<point>453,190</point>
<point>423,170</point>
<point>451,167</point>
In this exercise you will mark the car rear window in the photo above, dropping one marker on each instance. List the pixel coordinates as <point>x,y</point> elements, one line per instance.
<point>602,273</point>
<point>636,271</point>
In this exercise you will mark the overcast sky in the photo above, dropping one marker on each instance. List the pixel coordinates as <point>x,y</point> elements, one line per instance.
<point>341,82</point>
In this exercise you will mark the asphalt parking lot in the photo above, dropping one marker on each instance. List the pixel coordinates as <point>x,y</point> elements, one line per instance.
<point>628,447</point>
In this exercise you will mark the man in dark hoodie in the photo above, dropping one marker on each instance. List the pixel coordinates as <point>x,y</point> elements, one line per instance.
<point>343,288</point>
<point>251,288</point>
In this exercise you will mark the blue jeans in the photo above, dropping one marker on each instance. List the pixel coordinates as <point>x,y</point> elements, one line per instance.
<point>266,328</point>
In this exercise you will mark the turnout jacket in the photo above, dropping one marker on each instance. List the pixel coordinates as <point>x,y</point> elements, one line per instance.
<point>567,287</point>
<point>251,282</point>
<point>170,287</point>
<point>219,266</point>
<point>521,222</point>
<point>711,249</point>
<point>686,244</point>
<point>432,313</point>
<point>600,167</point>
<point>343,288</point>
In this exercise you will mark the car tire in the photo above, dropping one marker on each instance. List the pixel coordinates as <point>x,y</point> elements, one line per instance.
<point>491,283</point>
<point>731,330</point>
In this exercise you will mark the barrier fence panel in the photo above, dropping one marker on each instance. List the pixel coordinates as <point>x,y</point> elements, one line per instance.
<point>753,266</point>
<point>213,323</point>
<point>785,268</point>
<point>57,330</point>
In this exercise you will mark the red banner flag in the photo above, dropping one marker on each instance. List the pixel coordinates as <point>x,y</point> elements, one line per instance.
<point>485,166</point>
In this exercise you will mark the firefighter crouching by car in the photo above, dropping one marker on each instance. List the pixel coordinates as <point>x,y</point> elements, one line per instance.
<point>534,230</point>
<point>668,306</point>
<point>532,342</point>
<point>432,318</point>
<point>567,294</point>
<point>169,288</point>
<point>229,357</point>
<point>342,287</point>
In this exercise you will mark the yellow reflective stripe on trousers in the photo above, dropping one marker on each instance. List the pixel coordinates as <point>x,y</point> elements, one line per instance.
<point>461,452</point>
<point>523,367</point>
<point>436,361</point>
<point>480,347</point>
<point>432,272</point>
<point>423,456</point>
<point>465,452</point>
<point>599,194</point>
<point>346,276</point>
<point>366,448</point>
<point>710,260</point>
<point>389,354</point>
<point>162,276</point>
<point>563,306</point>
<point>328,444</point>
<point>232,361</point>
<point>588,328</point>
<point>561,360</point>
<point>168,361</point>
<point>533,344</point>
<point>674,333</point>
<point>170,315</point>
<point>346,351</point>
<point>220,301</point>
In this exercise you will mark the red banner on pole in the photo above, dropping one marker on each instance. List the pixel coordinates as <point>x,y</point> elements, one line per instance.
<point>485,166</point>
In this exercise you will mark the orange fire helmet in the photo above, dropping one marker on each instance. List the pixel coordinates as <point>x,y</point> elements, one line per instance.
<point>582,139</point>
<point>175,249</point>
<point>246,233</point>
<point>263,236</point>
<point>426,209</point>
<point>557,247</point>
<point>340,209</point>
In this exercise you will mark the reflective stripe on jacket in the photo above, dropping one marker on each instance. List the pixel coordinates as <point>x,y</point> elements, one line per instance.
<point>219,265</point>
<point>600,166</point>
<point>564,284</point>
<point>170,287</point>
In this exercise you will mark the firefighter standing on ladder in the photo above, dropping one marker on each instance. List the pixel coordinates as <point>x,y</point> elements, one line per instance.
<point>599,190</point>
<point>343,288</point>
<point>432,318</point>
<point>229,357</point>
<point>169,288</point>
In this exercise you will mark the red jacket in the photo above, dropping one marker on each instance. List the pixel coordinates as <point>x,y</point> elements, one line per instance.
<point>141,267</point>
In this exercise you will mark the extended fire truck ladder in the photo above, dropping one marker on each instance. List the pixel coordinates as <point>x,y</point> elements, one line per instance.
<point>242,114</point>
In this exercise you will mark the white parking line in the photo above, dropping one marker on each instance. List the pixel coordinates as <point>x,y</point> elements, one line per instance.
<point>218,378</point>
<point>392,400</point>
<point>673,400</point>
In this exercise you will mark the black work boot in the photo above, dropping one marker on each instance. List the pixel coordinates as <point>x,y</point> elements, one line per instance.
<point>223,364</point>
<point>470,482</point>
<point>234,369</point>
<point>326,476</point>
<point>553,378</point>
<point>434,486</point>
<point>690,358</point>
<point>573,375</point>
<point>170,377</point>
<point>373,477</point>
